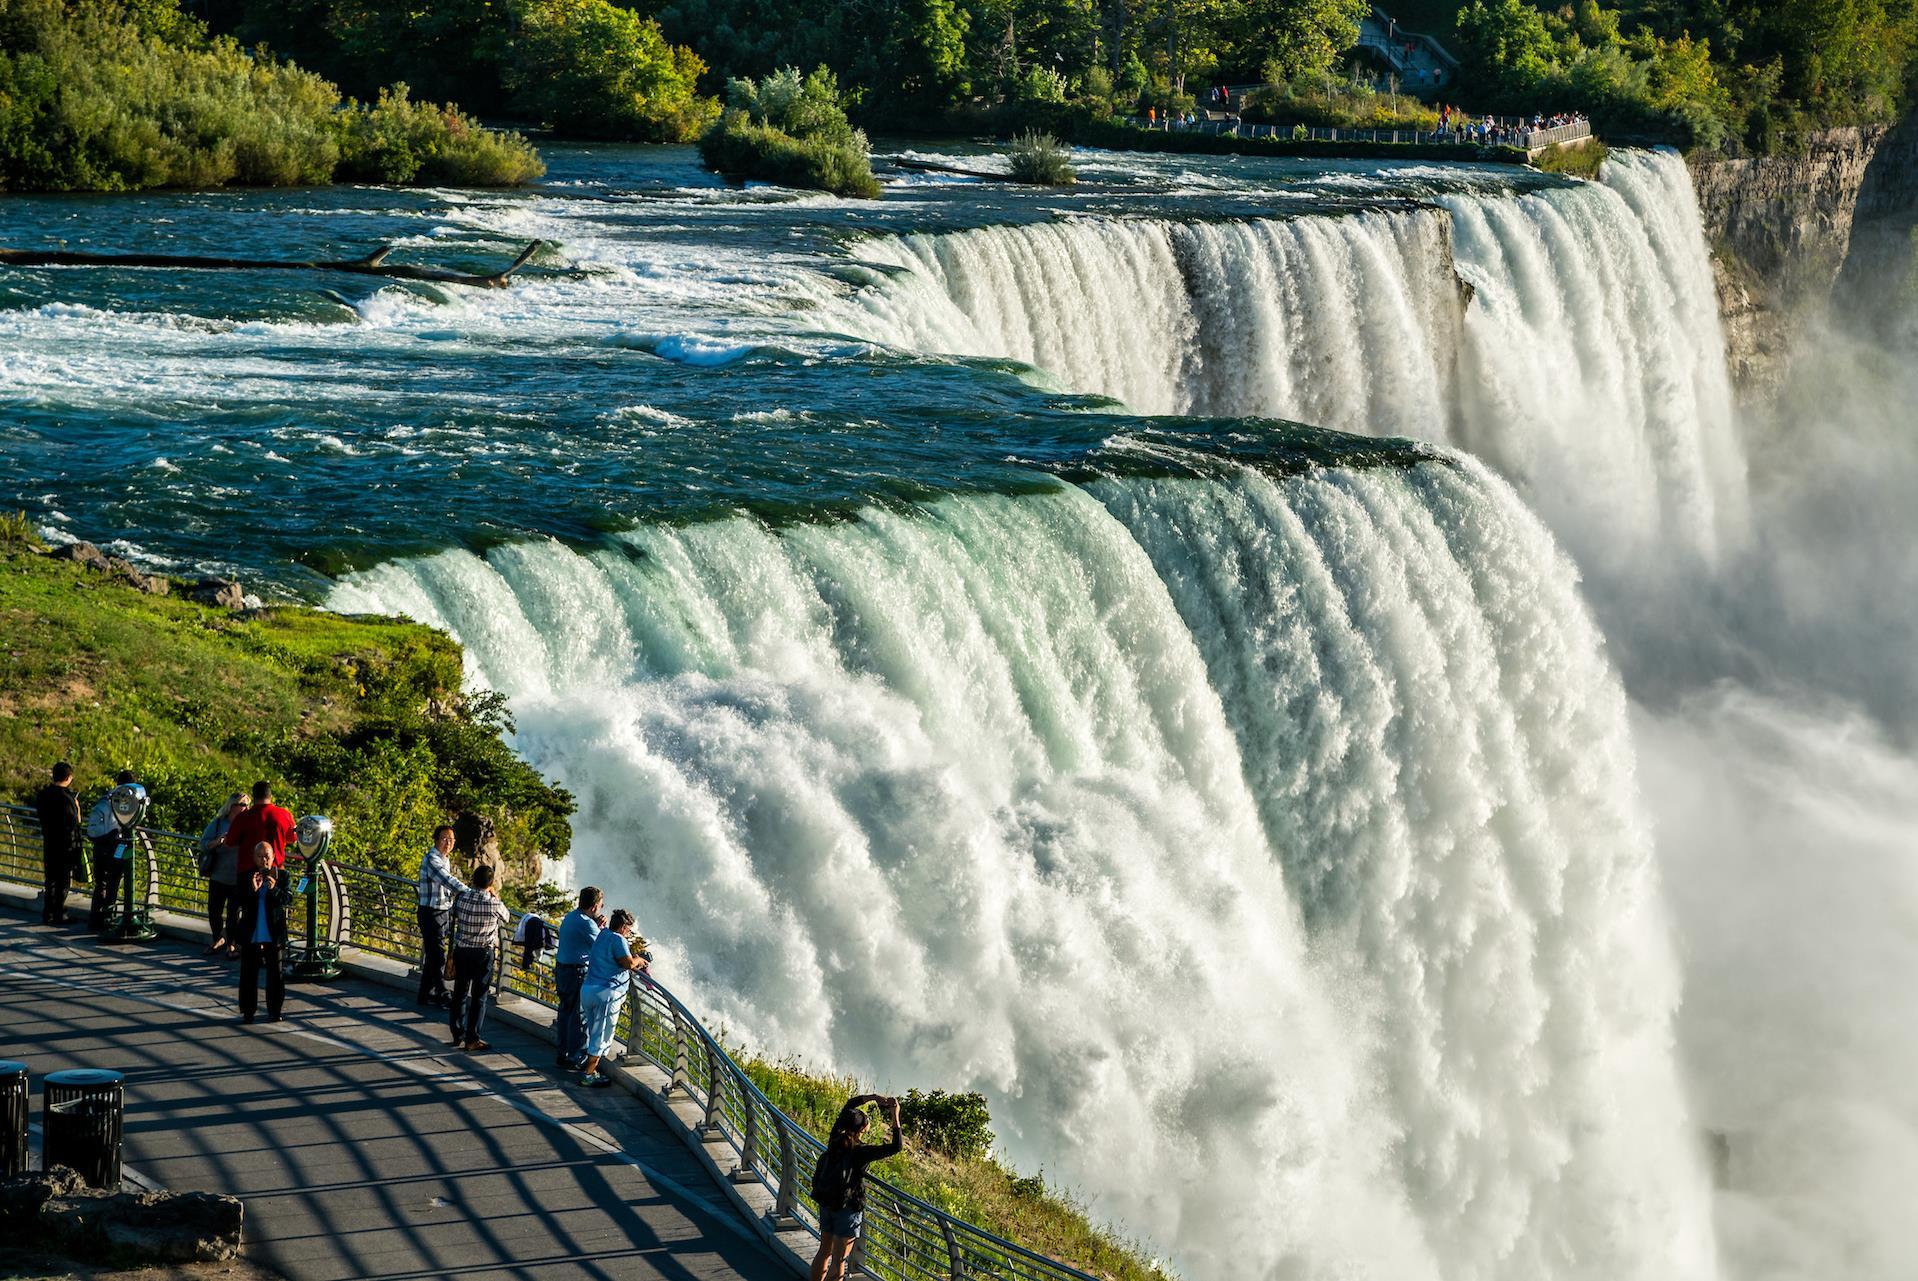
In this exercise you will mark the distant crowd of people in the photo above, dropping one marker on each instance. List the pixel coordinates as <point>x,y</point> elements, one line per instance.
<point>243,855</point>
<point>1492,131</point>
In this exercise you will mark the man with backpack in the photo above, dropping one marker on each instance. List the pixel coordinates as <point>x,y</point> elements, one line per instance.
<point>839,1181</point>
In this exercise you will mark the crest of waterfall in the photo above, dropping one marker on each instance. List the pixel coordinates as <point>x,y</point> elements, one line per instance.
<point>1568,336</point>
<point>1266,847</point>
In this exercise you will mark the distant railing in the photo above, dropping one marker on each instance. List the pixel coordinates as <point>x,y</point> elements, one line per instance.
<point>1499,133</point>
<point>904,1238</point>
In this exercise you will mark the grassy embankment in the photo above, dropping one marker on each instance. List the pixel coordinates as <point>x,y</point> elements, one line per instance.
<point>1578,159</point>
<point>948,1162</point>
<point>361,718</point>
<point>358,718</point>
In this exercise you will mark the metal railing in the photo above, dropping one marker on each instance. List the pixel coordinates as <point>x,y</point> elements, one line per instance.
<point>904,1237</point>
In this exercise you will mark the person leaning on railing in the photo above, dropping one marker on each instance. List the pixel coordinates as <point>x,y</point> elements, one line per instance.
<point>438,888</point>
<point>609,974</point>
<point>839,1181</point>
<point>576,935</point>
<point>477,916</point>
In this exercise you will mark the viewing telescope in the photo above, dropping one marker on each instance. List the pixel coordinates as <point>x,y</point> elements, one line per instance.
<point>317,959</point>
<point>128,803</point>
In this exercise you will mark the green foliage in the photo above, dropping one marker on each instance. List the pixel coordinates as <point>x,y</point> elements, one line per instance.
<point>591,70</point>
<point>1706,73</point>
<point>398,140</point>
<point>1041,158</point>
<point>790,129</point>
<point>98,97</point>
<point>958,1125</point>
<point>1042,84</point>
<point>1578,160</point>
<point>1329,100</point>
<point>17,533</point>
<point>358,718</point>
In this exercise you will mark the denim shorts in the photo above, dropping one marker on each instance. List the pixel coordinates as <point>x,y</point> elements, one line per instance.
<point>840,1223</point>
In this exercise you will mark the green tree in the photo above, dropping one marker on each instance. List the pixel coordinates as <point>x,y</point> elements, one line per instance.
<point>591,70</point>
<point>1302,37</point>
<point>1503,43</point>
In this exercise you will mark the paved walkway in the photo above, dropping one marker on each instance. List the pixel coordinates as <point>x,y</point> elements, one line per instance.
<point>363,1147</point>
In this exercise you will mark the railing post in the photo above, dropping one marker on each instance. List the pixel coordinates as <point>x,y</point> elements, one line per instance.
<point>953,1257</point>
<point>785,1198</point>
<point>749,1147</point>
<point>710,1126</point>
<point>682,1072</point>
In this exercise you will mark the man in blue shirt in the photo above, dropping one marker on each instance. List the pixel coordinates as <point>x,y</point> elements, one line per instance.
<point>576,934</point>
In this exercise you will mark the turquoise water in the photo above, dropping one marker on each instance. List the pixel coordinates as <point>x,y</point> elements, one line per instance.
<point>674,355</point>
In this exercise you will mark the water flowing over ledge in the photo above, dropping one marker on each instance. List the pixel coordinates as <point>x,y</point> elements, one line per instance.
<point>1279,833</point>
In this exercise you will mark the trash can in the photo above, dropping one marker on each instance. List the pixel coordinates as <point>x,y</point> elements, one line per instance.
<point>13,1119</point>
<point>80,1120</point>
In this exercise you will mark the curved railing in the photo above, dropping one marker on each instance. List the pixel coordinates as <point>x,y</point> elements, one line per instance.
<point>904,1238</point>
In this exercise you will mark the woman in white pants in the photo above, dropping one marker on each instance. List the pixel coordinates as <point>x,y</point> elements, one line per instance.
<point>609,972</point>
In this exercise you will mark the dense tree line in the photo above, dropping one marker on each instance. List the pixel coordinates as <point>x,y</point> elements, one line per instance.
<point>1716,73</point>
<point>1708,72</point>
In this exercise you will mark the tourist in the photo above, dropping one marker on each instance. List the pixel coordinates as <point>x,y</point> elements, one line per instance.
<point>262,821</point>
<point>438,887</point>
<point>220,865</point>
<point>609,973</point>
<point>103,831</point>
<point>477,915</point>
<point>59,812</point>
<point>839,1181</point>
<point>263,927</point>
<point>576,934</point>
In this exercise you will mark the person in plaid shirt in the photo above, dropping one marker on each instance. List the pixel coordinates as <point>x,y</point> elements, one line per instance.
<point>477,916</point>
<point>438,888</point>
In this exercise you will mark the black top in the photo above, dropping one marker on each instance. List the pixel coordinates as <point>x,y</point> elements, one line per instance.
<point>59,812</point>
<point>250,910</point>
<point>839,1180</point>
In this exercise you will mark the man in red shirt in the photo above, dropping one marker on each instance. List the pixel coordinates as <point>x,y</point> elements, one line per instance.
<point>262,821</point>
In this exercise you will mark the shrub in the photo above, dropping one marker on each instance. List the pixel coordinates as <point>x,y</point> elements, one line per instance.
<point>959,1125</point>
<point>1042,84</point>
<point>593,70</point>
<point>93,99</point>
<point>1041,158</point>
<point>17,533</point>
<point>790,129</point>
<point>398,140</point>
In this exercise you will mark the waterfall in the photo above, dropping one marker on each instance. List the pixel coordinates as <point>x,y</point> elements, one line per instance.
<point>1266,847</point>
<point>1569,336</point>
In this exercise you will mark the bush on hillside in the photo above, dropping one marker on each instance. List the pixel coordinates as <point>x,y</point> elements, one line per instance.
<point>958,1125</point>
<point>94,97</point>
<point>592,70</point>
<point>1041,158</point>
<point>790,129</point>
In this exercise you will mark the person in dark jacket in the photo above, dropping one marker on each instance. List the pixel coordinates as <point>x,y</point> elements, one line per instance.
<point>263,897</point>
<point>839,1181</point>
<point>59,811</point>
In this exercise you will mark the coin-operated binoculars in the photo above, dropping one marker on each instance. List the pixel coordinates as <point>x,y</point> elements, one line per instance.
<point>128,803</point>
<point>318,959</point>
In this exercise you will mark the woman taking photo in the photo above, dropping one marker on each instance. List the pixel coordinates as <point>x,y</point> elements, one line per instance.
<point>839,1181</point>
<point>609,972</point>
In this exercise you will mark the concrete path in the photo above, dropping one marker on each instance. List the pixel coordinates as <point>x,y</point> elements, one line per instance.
<point>363,1146</point>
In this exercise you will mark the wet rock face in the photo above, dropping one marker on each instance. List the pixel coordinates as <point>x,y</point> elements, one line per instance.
<point>55,1210</point>
<point>223,593</point>
<point>1786,229</point>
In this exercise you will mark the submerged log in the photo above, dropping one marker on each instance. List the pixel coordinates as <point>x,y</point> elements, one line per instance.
<point>984,175</point>
<point>374,264</point>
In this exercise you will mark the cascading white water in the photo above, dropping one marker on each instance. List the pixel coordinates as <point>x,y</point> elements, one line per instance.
<point>1265,847</point>
<point>1585,361</point>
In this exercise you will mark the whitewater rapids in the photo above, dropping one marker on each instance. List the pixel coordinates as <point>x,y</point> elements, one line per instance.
<point>1265,847</point>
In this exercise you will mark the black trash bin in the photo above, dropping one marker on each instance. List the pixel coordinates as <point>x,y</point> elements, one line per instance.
<point>80,1120</point>
<point>13,1119</point>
